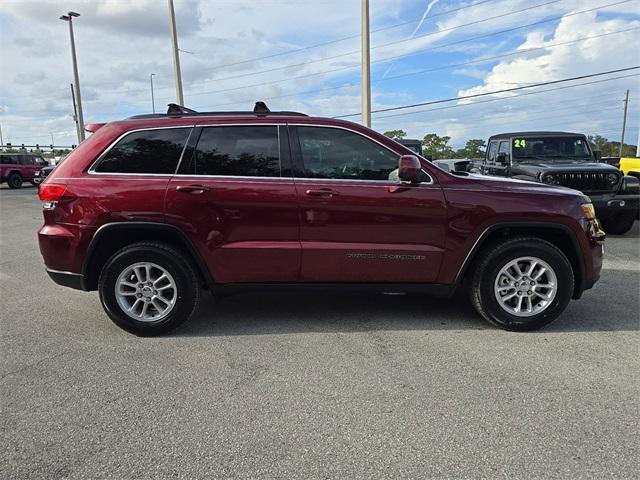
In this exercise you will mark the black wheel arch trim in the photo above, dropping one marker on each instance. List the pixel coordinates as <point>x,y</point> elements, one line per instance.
<point>185,240</point>
<point>477,246</point>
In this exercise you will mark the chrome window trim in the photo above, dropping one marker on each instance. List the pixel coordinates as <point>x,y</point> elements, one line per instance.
<point>378,182</point>
<point>230,177</point>
<point>92,168</point>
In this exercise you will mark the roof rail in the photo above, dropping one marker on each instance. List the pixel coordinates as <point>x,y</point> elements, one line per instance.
<point>174,110</point>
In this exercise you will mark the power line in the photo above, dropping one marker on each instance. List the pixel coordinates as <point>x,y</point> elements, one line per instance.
<point>443,67</point>
<point>507,98</point>
<point>410,54</point>
<point>504,90</point>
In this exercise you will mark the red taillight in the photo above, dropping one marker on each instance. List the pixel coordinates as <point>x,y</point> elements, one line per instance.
<point>51,192</point>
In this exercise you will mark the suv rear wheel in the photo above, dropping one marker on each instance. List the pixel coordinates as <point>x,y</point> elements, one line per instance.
<point>14,180</point>
<point>522,284</point>
<point>149,288</point>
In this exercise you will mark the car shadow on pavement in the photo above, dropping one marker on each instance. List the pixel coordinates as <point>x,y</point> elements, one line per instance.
<point>263,314</point>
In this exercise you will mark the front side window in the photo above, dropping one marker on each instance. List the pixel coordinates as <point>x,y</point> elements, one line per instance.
<point>25,160</point>
<point>148,151</point>
<point>493,151</point>
<point>236,151</point>
<point>340,154</point>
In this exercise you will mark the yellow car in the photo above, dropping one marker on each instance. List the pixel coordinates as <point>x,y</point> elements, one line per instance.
<point>630,166</point>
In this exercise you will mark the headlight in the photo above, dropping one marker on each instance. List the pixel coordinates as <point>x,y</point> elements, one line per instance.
<point>548,178</point>
<point>612,178</point>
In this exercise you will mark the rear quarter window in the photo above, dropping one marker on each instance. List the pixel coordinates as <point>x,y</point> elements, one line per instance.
<point>148,151</point>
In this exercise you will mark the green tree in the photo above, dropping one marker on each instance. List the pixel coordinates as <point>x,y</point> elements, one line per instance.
<point>437,147</point>
<point>474,148</point>
<point>395,133</point>
<point>611,148</point>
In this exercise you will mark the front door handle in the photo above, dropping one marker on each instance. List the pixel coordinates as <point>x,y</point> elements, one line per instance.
<point>192,189</point>
<point>322,192</point>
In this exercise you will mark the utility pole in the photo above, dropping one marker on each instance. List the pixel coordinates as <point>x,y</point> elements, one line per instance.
<point>1,140</point>
<point>638,146</point>
<point>176,55</point>
<point>75,112</point>
<point>624,121</point>
<point>76,80</point>
<point>366,70</point>
<point>153,102</point>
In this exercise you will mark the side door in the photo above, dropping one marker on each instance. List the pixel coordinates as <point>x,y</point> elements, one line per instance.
<point>234,196</point>
<point>358,222</point>
<point>27,167</point>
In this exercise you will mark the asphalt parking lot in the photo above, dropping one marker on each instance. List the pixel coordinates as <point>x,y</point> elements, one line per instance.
<point>305,386</point>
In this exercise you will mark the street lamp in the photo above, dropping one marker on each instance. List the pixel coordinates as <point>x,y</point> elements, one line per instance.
<point>76,80</point>
<point>153,103</point>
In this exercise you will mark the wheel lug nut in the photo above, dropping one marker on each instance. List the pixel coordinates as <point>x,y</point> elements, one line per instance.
<point>529,292</point>
<point>533,283</point>
<point>139,295</point>
<point>517,284</point>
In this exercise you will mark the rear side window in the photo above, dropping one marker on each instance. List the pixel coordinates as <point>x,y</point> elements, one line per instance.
<point>236,151</point>
<point>148,151</point>
<point>8,159</point>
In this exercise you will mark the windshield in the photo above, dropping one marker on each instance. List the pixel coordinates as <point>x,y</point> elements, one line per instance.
<point>551,147</point>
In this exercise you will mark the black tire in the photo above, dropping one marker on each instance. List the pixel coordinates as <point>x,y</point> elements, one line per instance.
<point>15,180</point>
<point>487,269</point>
<point>170,259</point>
<point>619,224</point>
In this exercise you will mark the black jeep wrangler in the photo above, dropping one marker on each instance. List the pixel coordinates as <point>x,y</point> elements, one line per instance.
<point>565,159</point>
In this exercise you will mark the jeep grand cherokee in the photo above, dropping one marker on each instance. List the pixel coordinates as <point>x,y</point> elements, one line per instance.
<point>151,210</point>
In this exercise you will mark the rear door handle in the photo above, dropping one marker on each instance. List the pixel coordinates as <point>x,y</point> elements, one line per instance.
<point>322,192</point>
<point>192,189</point>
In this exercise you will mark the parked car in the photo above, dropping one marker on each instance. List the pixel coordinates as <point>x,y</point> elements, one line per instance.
<point>566,159</point>
<point>151,210</point>
<point>16,168</point>
<point>412,144</point>
<point>43,173</point>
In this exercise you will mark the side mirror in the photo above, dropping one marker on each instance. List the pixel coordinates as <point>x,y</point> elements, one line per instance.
<point>502,158</point>
<point>598,155</point>
<point>409,169</point>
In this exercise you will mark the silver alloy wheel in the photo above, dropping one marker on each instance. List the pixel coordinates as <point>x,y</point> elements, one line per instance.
<point>525,286</point>
<point>146,292</point>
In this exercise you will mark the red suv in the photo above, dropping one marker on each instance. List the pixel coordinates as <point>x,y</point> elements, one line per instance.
<point>153,209</point>
<point>16,168</point>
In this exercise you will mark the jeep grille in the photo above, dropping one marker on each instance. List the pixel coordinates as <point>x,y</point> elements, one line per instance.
<point>585,182</point>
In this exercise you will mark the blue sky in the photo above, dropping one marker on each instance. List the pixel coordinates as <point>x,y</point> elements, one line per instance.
<point>236,52</point>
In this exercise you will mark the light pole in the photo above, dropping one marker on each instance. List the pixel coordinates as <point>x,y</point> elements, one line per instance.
<point>176,55</point>
<point>153,102</point>
<point>76,80</point>
<point>366,72</point>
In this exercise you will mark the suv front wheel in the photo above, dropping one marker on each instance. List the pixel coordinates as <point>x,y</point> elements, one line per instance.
<point>149,288</point>
<point>522,284</point>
